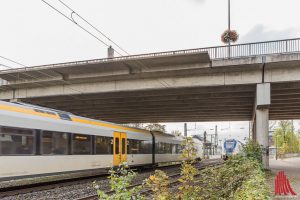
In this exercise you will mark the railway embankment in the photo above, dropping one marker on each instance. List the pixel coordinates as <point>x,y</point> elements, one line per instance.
<point>241,177</point>
<point>83,189</point>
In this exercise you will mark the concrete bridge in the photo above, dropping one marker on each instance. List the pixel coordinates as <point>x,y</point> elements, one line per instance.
<point>188,85</point>
<point>258,82</point>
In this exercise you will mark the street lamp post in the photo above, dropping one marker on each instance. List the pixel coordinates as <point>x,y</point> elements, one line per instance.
<point>229,21</point>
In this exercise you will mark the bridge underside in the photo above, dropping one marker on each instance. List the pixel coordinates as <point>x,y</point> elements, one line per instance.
<point>217,103</point>
<point>169,87</point>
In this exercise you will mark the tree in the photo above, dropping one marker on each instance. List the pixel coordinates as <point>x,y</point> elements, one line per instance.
<point>156,127</point>
<point>285,138</point>
<point>136,125</point>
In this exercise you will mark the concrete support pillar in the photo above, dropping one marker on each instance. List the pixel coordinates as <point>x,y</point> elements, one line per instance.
<point>262,133</point>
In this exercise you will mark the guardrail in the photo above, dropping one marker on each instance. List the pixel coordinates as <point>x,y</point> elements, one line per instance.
<point>232,51</point>
<point>254,49</point>
<point>217,52</point>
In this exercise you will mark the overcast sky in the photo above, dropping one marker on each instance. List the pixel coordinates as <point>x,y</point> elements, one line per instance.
<point>34,34</point>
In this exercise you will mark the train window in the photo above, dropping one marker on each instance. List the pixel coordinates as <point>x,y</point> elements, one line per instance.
<point>54,143</point>
<point>82,144</point>
<point>134,146</point>
<point>139,147</point>
<point>123,146</point>
<point>146,147</point>
<point>168,148</point>
<point>16,141</point>
<point>163,148</point>
<point>158,147</point>
<point>117,146</point>
<point>174,148</point>
<point>103,145</point>
<point>178,149</point>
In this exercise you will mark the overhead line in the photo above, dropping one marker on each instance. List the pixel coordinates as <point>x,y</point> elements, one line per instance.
<point>73,21</point>
<point>103,34</point>
<point>9,67</point>
<point>5,58</point>
<point>165,84</point>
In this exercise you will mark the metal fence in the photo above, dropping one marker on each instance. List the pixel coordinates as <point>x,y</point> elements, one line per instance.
<point>232,51</point>
<point>217,52</point>
<point>254,49</point>
<point>245,50</point>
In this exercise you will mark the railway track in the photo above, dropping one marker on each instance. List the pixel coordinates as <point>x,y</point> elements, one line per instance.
<point>25,191</point>
<point>42,186</point>
<point>34,187</point>
<point>174,181</point>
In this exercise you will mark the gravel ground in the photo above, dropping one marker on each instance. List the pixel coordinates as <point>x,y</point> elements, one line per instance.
<point>84,188</point>
<point>77,190</point>
<point>291,167</point>
<point>25,181</point>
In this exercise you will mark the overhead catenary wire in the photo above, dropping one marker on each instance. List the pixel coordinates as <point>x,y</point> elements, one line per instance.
<point>24,73</point>
<point>77,24</point>
<point>9,67</point>
<point>71,19</point>
<point>95,28</point>
<point>15,62</point>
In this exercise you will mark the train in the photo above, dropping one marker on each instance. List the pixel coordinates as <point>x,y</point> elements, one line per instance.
<point>231,147</point>
<point>37,141</point>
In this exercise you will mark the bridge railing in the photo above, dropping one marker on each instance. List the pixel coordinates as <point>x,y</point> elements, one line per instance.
<point>249,49</point>
<point>233,51</point>
<point>217,52</point>
<point>254,49</point>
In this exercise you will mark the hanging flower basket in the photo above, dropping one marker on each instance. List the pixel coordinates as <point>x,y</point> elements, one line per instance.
<point>229,36</point>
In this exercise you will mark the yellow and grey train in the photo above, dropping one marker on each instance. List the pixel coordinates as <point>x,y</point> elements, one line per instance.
<point>38,141</point>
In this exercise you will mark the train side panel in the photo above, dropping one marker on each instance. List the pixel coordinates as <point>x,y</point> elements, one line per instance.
<point>36,165</point>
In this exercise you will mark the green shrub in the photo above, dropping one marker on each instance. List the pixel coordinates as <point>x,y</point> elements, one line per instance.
<point>241,177</point>
<point>120,179</point>
<point>255,188</point>
<point>236,175</point>
<point>253,150</point>
<point>159,184</point>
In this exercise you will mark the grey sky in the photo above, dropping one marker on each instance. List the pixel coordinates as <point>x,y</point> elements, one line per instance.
<point>33,34</point>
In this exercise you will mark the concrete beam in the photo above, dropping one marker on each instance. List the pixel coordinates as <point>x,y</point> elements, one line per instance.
<point>157,103</point>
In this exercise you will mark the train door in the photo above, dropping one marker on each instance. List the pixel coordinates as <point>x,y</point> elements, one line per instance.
<point>120,148</point>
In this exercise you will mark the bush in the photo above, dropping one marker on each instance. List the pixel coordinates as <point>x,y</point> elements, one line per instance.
<point>159,184</point>
<point>253,150</point>
<point>120,179</point>
<point>241,177</point>
<point>234,179</point>
<point>254,188</point>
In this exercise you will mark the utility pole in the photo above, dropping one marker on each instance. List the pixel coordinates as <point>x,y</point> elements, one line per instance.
<point>204,145</point>
<point>229,28</point>
<point>216,139</point>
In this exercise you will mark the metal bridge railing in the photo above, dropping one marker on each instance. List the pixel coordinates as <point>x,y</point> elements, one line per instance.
<point>249,49</point>
<point>254,49</point>
<point>223,52</point>
<point>217,52</point>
